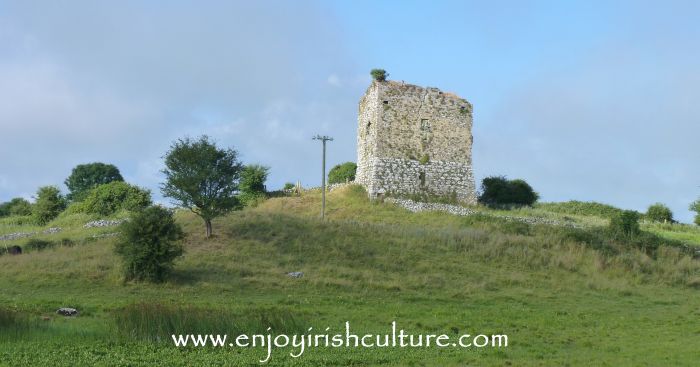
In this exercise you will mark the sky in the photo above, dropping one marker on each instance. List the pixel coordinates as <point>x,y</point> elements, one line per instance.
<point>588,100</point>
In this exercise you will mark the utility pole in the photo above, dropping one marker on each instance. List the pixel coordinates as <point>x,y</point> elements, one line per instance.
<point>323,139</point>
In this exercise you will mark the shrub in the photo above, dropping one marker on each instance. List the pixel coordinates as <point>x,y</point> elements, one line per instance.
<point>499,191</point>
<point>35,244</point>
<point>625,224</point>
<point>342,173</point>
<point>575,207</point>
<point>109,198</point>
<point>288,186</point>
<point>16,206</point>
<point>86,177</point>
<point>379,75</point>
<point>659,213</point>
<point>252,184</point>
<point>149,244</point>
<point>49,204</point>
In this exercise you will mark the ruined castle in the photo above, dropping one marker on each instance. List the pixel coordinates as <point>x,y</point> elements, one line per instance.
<point>414,140</point>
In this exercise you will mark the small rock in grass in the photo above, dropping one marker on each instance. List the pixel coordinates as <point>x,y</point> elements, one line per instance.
<point>67,311</point>
<point>295,274</point>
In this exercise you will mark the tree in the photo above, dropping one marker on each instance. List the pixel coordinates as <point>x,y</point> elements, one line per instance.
<point>252,185</point>
<point>85,177</point>
<point>49,204</point>
<point>379,75</point>
<point>695,206</point>
<point>659,213</point>
<point>109,198</point>
<point>16,206</point>
<point>202,177</point>
<point>499,191</point>
<point>149,244</point>
<point>342,173</point>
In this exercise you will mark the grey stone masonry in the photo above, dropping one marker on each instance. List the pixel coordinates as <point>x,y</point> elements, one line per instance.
<point>413,140</point>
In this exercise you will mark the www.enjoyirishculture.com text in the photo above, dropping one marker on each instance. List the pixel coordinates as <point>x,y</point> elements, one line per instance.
<point>299,343</point>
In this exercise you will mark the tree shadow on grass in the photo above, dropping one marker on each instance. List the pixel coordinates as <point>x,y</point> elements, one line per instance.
<point>191,276</point>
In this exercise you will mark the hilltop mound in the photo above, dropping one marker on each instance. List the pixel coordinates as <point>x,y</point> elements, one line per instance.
<point>554,290</point>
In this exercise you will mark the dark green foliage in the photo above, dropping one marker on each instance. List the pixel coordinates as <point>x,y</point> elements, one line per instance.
<point>35,244</point>
<point>288,186</point>
<point>497,191</point>
<point>49,204</point>
<point>203,178</point>
<point>85,177</point>
<point>625,224</point>
<point>583,208</point>
<point>342,173</point>
<point>659,213</point>
<point>252,185</point>
<point>149,244</point>
<point>379,75</point>
<point>695,206</point>
<point>112,197</point>
<point>16,206</point>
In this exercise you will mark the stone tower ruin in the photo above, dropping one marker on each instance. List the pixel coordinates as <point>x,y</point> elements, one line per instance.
<point>414,140</point>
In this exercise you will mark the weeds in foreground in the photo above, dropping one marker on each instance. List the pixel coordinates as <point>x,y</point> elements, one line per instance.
<point>157,321</point>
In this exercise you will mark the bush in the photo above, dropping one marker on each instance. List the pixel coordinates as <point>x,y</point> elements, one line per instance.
<point>342,173</point>
<point>584,208</point>
<point>110,198</point>
<point>49,204</point>
<point>252,184</point>
<point>659,213</point>
<point>37,245</point>
<point>149,244</point>
<point>288,186</point>
<point>379,75</point>
<point>86,177</point>
<point>497,191</point>
<point>625,224</point>
<point>16,206</point>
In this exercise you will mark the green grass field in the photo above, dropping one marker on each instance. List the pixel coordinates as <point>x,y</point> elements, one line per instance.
<point>562,297</point>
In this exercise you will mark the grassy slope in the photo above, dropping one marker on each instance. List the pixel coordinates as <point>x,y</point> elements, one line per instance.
<point>559,301</point>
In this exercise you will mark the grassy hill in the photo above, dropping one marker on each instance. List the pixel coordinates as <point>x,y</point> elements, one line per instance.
<point>564,296</point>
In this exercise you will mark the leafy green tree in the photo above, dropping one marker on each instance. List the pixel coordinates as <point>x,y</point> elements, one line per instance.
<point>379,75</point>
<point>252,185</point>
<point>695,206</point>
<point>16,206</point>
<point>149,243</point>
<point>112,197</point>
<point>85,177</point>
<point>342,173</point>
<point>202,177</point>
<point>499,191</point>
<point>49,204</point>
<point>659,213</point>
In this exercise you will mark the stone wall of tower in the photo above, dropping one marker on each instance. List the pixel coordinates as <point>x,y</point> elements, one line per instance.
<point>414,140</point>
